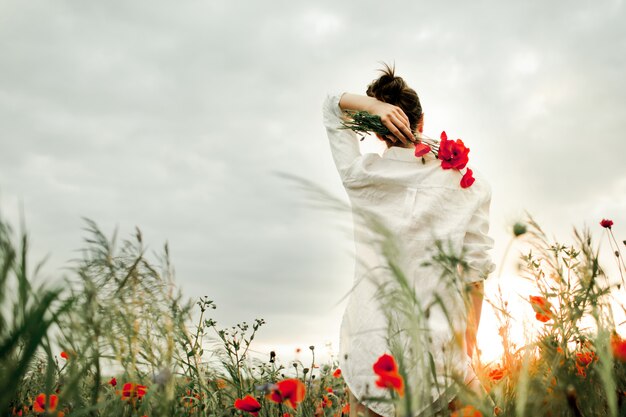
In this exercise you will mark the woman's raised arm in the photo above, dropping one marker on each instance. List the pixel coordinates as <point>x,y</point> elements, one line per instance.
<point>393,117</point>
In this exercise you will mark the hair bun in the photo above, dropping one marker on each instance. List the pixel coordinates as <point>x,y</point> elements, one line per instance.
<point>394,90</point>
<point>388,87</point>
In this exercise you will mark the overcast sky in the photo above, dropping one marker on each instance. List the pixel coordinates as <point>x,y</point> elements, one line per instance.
<point>174,118</point>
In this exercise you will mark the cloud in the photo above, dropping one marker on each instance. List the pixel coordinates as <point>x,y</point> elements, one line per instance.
<point>173,119</point>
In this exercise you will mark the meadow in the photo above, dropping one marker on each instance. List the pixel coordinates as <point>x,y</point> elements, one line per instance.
<point>117,339</point>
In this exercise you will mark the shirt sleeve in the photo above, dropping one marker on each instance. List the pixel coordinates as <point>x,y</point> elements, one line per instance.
<point>477,243</point>
<point>344,144</point>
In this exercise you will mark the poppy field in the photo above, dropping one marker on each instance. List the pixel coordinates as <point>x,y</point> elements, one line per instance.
<point>116,339</point>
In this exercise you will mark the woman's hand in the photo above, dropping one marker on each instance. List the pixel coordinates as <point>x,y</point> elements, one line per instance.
<point>393,117</point>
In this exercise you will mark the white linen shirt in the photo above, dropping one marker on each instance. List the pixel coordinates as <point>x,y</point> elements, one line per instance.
<point>417,202</point>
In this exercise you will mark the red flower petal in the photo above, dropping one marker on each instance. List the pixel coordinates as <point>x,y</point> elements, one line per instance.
<point>421,149</point>
<point>249,404</point>
<point>385,363</point>
<point>290,390</point>
<point>467,179</point>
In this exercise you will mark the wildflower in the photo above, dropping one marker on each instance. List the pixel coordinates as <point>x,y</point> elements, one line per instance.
<point>249,404</point>
<point>618,347</point>
<point>467,179</point>
<point>64,355</point>
<point>189,399</point>
<point>113,382</point>
<point>290,390</point>
<point>496,374</point>
<point>337,373</point>
<point>388,376</point>
<point>606,223</point>
<point>467,411</point>
<point>326,402</point>
<point>542,308</point>
<point>452,154</point>
<point>346,409</point>
<point>39,406</point>
<point>329,389</point>
<point>583,359</point>
<point>132,391</point>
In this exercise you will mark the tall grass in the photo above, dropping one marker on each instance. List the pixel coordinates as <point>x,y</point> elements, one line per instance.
<point>132,346</point>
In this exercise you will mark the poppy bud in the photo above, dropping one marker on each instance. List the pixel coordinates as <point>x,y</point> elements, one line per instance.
<point>519,229</point>
<point>606,223</point>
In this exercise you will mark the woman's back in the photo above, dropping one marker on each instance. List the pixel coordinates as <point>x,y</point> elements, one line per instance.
<point>417,203</point>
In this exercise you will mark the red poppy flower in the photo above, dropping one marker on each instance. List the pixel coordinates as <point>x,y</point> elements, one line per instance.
<point>585,358</point>
<point>249,404</point>
<point>467,179</point>
<point>337,373</point>
<point>453,154</point>
<point>618,347</point>
<point>326,402</point>
<point>346,409</point>
<point>39,406</point>
<point>113,381</point>
<point>388,376</point>
<point>496,374</point>
<point>64,355</point>
<point>542,308</point>
<point>290,390</point>
<point>385,363</point>
<point>606,223</point>
<point>421,149</point>
<point>131,390</point>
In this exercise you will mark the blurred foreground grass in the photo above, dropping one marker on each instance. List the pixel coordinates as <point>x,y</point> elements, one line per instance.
<point>128,346</point>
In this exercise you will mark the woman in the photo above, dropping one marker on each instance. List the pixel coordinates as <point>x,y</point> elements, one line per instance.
<point>417,201</point>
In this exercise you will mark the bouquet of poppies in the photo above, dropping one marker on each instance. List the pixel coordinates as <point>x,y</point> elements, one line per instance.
<point>453,154</point>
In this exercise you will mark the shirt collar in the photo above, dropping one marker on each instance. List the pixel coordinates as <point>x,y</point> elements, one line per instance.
<point>400,154</point>
<point>405,154</point>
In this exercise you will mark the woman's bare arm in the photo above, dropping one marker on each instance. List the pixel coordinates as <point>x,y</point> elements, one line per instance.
<point>474,309</point>
<point>393,117</point>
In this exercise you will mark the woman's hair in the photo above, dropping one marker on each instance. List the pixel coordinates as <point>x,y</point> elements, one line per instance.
<point>394,90</point>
